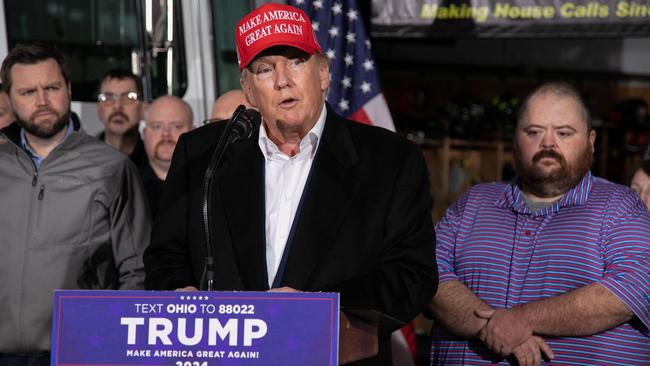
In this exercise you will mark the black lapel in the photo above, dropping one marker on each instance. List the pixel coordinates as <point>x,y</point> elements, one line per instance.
<point>242,192</point>
<point>331,187</point>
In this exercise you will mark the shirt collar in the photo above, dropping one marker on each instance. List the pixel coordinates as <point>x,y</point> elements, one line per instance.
<point>32,154</point>
<point>513,197</point>
<point>268,147</point>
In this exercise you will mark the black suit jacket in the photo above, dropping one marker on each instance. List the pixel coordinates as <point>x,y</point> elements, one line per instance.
<point>364,230</point>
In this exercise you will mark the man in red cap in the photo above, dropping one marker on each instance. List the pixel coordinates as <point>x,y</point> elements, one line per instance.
<point>311,202</point>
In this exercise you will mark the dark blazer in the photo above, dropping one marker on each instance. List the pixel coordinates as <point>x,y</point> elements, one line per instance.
<point>364,230</point>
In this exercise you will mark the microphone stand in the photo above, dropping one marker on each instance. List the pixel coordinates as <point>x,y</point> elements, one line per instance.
<point>239,127</point>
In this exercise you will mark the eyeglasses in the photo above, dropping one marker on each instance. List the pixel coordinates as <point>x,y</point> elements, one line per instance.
<point>157,127</point>
<point>125,98</point>
<point>211,120</point>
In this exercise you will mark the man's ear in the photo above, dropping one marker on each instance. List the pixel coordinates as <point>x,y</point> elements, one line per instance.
<point>141,127</point>
<point>324,75</point>
<point>144,106</point>
<point>246,87</point>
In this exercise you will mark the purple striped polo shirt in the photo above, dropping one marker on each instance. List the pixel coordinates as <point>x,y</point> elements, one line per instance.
<point>508,255</point>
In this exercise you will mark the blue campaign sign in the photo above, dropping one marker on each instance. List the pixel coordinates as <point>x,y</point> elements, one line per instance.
<point>194,328</point>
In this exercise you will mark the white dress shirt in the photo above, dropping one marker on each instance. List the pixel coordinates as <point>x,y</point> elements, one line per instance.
<point>285,179</point>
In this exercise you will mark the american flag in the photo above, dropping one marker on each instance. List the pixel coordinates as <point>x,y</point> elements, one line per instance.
<point>355,92</point>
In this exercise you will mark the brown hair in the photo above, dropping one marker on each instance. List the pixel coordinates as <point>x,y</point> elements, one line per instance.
<point>30,54</point>
<point>123,74</point>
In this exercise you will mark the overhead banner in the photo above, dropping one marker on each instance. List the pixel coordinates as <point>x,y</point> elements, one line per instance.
<point>194,328</point>
<point>510,19</point>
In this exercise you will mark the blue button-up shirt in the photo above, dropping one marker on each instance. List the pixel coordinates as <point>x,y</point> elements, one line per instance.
<point>32,154</point>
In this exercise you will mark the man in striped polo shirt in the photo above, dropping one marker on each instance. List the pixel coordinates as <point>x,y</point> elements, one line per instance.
<point>554,265</point>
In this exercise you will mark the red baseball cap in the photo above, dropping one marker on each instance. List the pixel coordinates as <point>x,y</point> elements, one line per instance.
<point>273,25</point>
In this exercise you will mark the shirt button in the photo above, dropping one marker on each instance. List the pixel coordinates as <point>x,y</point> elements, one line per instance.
<point>527,232</point>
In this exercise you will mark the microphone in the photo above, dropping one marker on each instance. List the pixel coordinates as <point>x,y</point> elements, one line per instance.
<point>240,127</point>
<point>244,123</point>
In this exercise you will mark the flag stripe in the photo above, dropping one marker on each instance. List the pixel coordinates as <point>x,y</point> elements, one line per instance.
<point>355,91</point>
<point>377,109</point>
<point>360,116</point>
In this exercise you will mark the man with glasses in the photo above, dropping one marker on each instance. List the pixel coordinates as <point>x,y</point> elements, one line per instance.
<point>120,108</point>
<point>73,214</point>
<point>165,120</point>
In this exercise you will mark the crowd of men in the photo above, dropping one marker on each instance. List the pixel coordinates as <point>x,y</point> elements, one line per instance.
<point>78,209</point>
<point>553,266</point>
